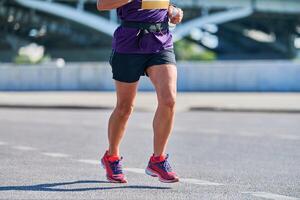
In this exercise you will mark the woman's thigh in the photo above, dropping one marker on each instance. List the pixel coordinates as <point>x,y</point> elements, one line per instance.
<point>126,92</point>
<point>164,79</point>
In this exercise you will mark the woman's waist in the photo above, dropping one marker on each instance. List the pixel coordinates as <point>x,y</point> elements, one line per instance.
<point>150,27</point>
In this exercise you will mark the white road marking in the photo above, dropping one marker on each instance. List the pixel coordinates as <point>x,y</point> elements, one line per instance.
<point>288,137</point>
<point>135,170</point>
<point>56,155</point>
<point>199,182</point>
<point>183,180</point>
<point>142,171</point>
<point>3,143</point>
<point>93,162</point>
<point>272,196</point>
<point>24,148</point>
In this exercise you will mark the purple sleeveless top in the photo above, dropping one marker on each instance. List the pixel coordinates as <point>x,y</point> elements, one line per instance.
<point>125,39</point>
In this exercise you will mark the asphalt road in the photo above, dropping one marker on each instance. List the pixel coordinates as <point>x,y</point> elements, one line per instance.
<point>54,154</point>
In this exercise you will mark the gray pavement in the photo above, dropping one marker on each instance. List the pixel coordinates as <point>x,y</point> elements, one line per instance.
<point>54,154</point>
<point>146,101</point>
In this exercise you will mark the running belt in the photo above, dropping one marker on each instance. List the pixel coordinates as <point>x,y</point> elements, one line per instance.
<point>146,27</point>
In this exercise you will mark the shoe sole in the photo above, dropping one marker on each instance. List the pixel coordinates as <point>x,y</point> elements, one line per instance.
<point>155,174</point>
<point>110,179</point>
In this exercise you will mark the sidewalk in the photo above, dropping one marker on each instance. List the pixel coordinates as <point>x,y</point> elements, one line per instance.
<point>146,101</point>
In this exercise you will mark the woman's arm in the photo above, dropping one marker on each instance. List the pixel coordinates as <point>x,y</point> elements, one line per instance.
<point>110,4</point>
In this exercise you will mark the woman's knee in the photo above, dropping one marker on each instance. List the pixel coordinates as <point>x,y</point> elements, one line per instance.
<point>167,101</point>
<point>124,109</point>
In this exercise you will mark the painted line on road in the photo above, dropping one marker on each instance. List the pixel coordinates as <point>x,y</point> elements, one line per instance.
<point>183,180</point>
<point>93,162</point>
<point>135,170</point>
<point>56,155</point>
<point>142,171</point>
<point>199,182</point>
<point>24,148</point>
<point>288,137</point>
<point>272,196</point>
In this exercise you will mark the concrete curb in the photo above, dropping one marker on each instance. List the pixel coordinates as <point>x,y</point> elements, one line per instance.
<point>77,107</point>
<point>147,101</point>
<point>140,109</point>
<point>246,110</point>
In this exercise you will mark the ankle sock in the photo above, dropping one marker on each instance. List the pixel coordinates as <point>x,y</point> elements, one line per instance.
<point>112,158</point>
<point>158,158</point>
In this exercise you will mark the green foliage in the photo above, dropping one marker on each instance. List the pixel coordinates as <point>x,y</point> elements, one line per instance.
<point>186,50</point>
<point>23,59</point>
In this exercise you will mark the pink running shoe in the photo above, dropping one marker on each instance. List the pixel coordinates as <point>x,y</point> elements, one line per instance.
<point>161,168</point>
<point>113,167</point>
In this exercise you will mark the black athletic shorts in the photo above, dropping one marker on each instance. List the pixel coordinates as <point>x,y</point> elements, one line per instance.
<point>130,67</point>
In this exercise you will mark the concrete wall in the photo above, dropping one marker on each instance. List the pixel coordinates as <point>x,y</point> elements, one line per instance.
<point>192,76</point>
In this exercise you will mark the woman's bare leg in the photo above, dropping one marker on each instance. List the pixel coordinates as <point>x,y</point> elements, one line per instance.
<point>164,79</point>
<point>126,93</point>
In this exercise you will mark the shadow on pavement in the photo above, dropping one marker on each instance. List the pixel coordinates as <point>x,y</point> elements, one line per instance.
<point>48,187</point>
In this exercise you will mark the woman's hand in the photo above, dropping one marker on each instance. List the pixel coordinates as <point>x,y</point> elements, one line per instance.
<point>175,14</point>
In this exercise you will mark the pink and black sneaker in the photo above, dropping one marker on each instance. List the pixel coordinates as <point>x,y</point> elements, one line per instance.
<point>113,168</point>
<point>160,167</point>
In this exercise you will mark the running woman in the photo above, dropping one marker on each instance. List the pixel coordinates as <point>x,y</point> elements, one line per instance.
<point>142,45</point>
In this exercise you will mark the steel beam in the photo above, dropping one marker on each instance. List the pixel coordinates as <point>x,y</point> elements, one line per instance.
<point>91,20</point>
<point>217,18</point>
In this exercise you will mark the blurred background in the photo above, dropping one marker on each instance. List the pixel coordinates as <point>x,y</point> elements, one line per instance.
<point>236,132</point>
<point>222,45</point>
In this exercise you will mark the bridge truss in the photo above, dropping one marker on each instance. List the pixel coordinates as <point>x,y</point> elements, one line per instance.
<point>247,26</point>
